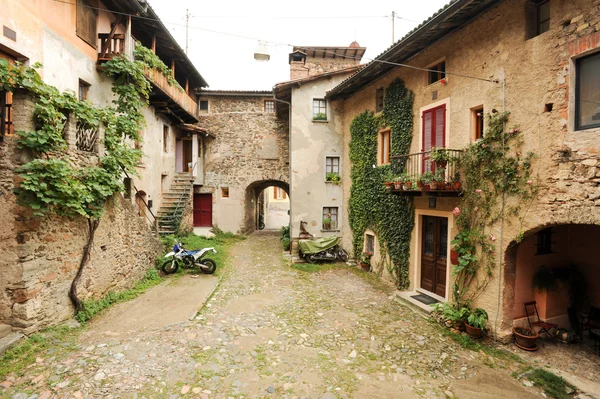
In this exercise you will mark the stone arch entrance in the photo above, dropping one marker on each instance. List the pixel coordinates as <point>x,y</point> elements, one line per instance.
<point>569,252</point>
<point>251,206</point>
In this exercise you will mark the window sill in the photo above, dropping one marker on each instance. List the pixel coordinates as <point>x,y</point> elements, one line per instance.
<point>437,83</point>
<point>330,231</point>
<point>339,183</point>
<point>319,121</point>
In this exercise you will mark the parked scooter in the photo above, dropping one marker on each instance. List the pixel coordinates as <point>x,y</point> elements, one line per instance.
<point>181,257</point>
<point>326,248</point>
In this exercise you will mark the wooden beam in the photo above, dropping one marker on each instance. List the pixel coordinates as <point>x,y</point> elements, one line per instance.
<point>173,68</point>
<point>187,86</point>
<point>154,44</point>
<point>106,43</point>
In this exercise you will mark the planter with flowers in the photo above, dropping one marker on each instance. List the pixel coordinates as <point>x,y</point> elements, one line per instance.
<point>365,260</point>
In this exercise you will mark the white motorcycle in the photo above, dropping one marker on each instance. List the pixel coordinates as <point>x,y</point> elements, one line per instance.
<point>181,257</point>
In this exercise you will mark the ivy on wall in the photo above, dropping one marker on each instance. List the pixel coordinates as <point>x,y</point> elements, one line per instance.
<point>391,217</point>
<point>151,60</point>
<point>497,180</point>
<point>51,182</point>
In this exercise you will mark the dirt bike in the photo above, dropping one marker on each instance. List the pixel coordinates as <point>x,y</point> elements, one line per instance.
<point>181,257</point>
<point>326,248</point>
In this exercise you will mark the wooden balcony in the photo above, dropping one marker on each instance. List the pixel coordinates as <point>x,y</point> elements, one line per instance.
<point>171,100</point>
<point>110,46</point>
<point>419,169</point>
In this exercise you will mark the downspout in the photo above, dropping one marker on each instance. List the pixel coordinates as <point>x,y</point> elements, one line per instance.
<point>289,157</point>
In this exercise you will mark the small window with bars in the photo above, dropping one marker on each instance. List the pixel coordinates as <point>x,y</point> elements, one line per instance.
<point>330,218</point>
<point>319,110</point>
<point>436,72</point>
<point>544,242</point>
<point>269,106</point>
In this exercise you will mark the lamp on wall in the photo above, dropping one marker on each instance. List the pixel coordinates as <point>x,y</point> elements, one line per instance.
<point>262,52</point>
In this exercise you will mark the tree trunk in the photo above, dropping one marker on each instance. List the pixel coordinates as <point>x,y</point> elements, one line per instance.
<point>92,226</point>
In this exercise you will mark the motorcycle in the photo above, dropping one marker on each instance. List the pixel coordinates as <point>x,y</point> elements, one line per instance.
<point>189,260</point>
<point>261,221</point>
<point>326,248</point>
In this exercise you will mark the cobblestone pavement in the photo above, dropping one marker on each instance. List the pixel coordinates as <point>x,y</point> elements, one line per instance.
<point>275,332</point>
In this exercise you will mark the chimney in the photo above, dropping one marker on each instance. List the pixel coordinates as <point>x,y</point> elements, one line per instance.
<point>298,68</point>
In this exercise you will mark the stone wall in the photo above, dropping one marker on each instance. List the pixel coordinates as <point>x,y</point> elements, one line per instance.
<point>41,255</point>
<point>318,65</point>
<point>538,72</point>
<point>250,147</point>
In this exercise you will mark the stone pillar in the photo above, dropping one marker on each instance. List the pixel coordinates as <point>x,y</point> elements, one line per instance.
<point>195,155</point>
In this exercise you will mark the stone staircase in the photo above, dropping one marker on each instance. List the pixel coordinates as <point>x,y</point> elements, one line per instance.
<point>173,204</point>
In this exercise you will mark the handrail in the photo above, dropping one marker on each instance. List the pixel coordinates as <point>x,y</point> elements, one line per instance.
<point>416,164</point>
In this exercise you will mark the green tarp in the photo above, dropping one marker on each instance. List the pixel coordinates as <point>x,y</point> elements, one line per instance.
<point>317,245</point>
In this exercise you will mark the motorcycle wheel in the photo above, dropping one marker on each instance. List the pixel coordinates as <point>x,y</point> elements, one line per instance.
<point>210,266</point>
<point>343,255</point>
<point>312,258</point>
<point>170,266</point>
<point>261,226</point>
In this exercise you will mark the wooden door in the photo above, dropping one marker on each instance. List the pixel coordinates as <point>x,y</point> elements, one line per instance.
<point>187,156</point>
<point>202,210</point>
<point>434,133</point>
<point>434,254</point>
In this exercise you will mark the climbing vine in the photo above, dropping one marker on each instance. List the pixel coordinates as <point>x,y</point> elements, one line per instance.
<point>497,179</point>
<point>371,206</point>
<point>52,182</point>
<point>151,60</point>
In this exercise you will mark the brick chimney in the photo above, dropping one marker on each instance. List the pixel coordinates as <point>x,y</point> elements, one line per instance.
<point>310,61</point>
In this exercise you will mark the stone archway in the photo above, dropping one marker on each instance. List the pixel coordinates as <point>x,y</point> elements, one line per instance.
<point>560,248</point>
<point>251,204</point>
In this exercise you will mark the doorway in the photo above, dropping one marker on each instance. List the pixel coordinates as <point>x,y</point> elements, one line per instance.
<point>187,159</point>
<point>202,210</point>
<point>434,254</point>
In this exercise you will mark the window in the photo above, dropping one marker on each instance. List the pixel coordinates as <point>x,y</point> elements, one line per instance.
<point>477,115</point>
<point>383,146</point>
<point>83,90</point>
<point>269,106</point>
<point>204,105</point>
<point>370,243</point>
<point>279,193</point>
<point>319,110</point>
<point>6,116</point>
<point>434,131</point>
<point>437,73</point>
<point>330,218</point>
<point>86,24</point>
<point>379,99</point>
<point>544,241</point>
<point>166,138</point>
<point>332,165</point>
<point>224,192</point>
<point>537,14</point>
<point>587,96</point>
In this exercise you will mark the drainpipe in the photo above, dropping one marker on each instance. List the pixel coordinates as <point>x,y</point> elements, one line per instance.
<point>289,157</point>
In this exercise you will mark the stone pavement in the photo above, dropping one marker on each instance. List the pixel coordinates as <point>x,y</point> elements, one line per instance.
<point>271,331</point>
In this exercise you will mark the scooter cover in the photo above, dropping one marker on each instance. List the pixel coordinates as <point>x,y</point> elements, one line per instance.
<point>317,245</point>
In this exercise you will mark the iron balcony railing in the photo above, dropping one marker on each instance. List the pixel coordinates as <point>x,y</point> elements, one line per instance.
<point>419,172</point>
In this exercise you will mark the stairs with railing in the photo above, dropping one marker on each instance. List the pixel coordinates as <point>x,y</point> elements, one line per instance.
<point>173,204</point>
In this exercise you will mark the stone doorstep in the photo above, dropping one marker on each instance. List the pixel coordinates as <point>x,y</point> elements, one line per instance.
<point>9,340</point>
<point>405,297</point>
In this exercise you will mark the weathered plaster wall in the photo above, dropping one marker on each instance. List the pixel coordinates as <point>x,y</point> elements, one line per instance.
<point>251,147</point>
<point>41,255</point>
<point>311,142</point>
<point>537,71</point>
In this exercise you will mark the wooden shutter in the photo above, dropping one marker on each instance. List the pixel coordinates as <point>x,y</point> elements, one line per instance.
<point>440,124</point>
<point>427,130</point>
<point>87,22</point>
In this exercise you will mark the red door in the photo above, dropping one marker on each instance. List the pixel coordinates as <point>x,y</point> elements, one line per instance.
<point>202,210</point>
<point>434,129</point>
<point>434,254</point>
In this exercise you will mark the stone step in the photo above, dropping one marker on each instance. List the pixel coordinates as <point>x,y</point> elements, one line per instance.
<point>5,329</point>
<point>7,341</point>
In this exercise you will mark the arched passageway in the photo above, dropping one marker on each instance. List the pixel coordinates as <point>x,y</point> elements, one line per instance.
<point>267,201</point>
<point>556,266</point>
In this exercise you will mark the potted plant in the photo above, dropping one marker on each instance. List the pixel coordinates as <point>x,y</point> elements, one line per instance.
<point>327,222</point>
<point>456,181</point>
<point>525,338</point>
<point>440,156</point>
<point>409,184</point>
<point>321,116</point>
<point>389,179</point>
<point>438,179</point>
<point>476,322</point>
<point>333,177</point>
<point>365,260</point>
<point>398,181</point>
<point>426,179</point>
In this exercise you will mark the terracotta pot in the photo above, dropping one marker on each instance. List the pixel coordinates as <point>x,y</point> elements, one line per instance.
<point>389,184</point>
<point>526,342</point>
<point>365,266</point>
<point>457,185</point>
<point>397,185</point>
<point>433,185</point>
<point>453,257</point>
<point>473,331</point>
<point>420,184</point>
<point>408,184</point>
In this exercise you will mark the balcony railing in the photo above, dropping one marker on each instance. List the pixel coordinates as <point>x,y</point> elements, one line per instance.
<point>174,92</point>
<point>420,174</point>
<point>111,46</point>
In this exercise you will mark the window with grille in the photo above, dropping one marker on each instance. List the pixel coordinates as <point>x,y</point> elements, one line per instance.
<point>437,72</point>
<point>203,105</point>
<point>544,241</point>
<point>269,106</point>
<point>319,110</point>
<point>330,218</point>
<point>83,90</point>
<point>224,192</point>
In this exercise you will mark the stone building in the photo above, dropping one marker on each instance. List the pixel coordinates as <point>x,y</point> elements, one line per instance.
<point>40,256</point>
<point>316,142</point>
<point>541,62</point>
<point>247,153</point>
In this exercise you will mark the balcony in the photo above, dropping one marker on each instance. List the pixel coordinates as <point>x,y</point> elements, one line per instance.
<point>110,46</point>
<point>432,173</point>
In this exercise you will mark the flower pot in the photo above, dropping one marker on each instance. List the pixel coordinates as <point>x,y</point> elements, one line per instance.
<point>453,256</point>
<point>397,185</point>
<point>433,185</point>
<point>408,184</point>
<point>457,185</point>
<point>365,266</point>
<point>473,331</point>
<point>425,187</point>
<point>526,338</point>
<point>389,184</point>
<point>420,184</point>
